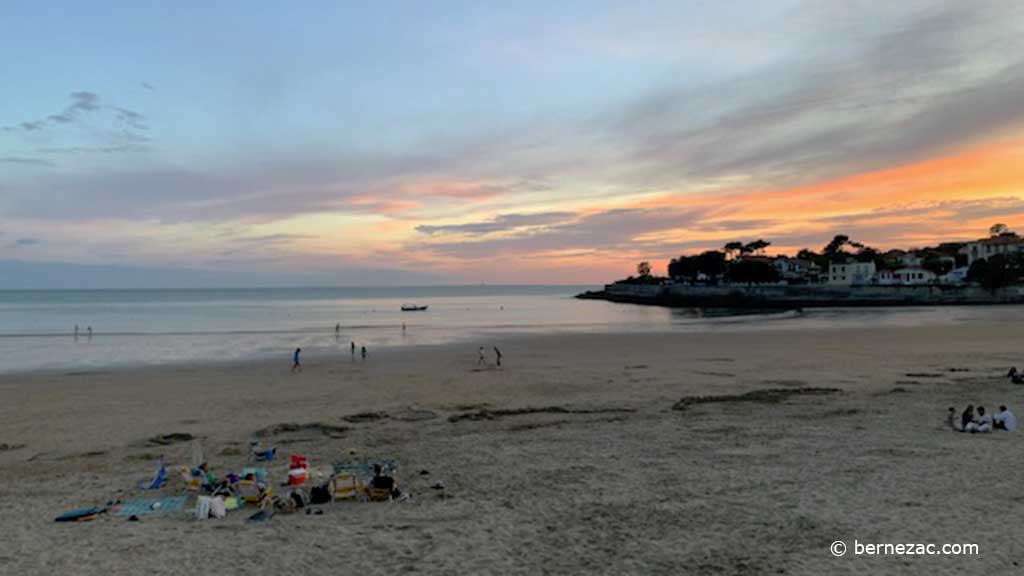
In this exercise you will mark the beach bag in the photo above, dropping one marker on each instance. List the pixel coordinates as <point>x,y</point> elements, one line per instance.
<point>218,508</point>
<point>297,476</point>
<point>203,508</point>
<point>319,495</point>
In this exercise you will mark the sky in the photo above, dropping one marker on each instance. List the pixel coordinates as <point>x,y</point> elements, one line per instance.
<point>380,143</point>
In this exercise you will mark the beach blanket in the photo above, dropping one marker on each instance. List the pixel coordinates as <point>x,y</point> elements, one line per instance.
<point>80,515</point>
<point>144,506</point>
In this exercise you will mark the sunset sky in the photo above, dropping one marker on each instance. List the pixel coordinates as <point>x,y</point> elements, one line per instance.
<point>505,142</point>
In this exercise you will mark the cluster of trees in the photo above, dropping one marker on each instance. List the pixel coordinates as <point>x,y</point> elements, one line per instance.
<point>727,263</point>
<point>997,271</point>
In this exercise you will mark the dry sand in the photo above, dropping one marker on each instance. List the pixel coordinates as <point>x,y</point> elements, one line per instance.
<point>609,479</point>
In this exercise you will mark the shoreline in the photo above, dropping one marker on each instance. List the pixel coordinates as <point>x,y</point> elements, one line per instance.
<point>467,343</point>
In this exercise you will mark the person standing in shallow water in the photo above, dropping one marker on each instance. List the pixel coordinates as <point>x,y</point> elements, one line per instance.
<point>480,359</point>
<point>296,364</point>
<point>363,352</point>
<point>497,355</point>
<point>353,349</point>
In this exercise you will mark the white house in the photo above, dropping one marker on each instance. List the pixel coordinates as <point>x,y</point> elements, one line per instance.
<point>914,276</point>
<point>1007,243</point>
<point>955,276</point>
<point>851,273</point>
<point>885,277</point>
<point>796,269</point>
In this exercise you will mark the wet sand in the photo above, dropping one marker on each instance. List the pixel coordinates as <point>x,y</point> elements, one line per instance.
<point>568,459</point>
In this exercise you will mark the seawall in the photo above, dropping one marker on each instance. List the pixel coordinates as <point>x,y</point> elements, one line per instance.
<point>809,296</point>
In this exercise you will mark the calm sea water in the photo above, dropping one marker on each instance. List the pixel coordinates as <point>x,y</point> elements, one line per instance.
<point>132,327</point>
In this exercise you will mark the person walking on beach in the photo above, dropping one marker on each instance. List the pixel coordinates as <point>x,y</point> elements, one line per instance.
<point>353,349</point>
<point>337,330</point>
<point>89,332</point>
<point>403,327</point>
<point>363,352</point>
<point>480,360</point>
<point>497,356</point>
<point>76,331</point>
<point>296,364</point>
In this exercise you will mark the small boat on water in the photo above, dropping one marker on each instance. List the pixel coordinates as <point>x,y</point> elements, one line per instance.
<point>412,308</point>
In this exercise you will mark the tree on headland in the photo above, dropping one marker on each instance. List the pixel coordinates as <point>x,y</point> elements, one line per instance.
<point>840,241</point>
<point>710,263</point>
<point>683,267</point>
<point>935,263</point>
<point>732,249</point>
<point>643,269</point>
<point>755,247</point>
<point>834,249</point>
<point>752,272</point>
<point>997,271</point>
<point>999,230</point>
<point>868,254</point>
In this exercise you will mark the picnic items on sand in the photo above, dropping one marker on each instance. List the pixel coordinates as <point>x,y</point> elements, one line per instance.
<point>369,480</point>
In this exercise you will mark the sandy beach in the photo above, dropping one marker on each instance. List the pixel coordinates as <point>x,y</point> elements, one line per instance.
<point>568,459</point>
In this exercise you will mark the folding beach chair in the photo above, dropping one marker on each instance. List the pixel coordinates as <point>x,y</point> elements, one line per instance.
<point>345,486</point>
<point>192,482</point>
<point>380,495</point>
<point>252,492</point>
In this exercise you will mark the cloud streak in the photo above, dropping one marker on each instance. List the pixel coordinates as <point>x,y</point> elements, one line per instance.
<point>500,223</point>
<point>26,161</point>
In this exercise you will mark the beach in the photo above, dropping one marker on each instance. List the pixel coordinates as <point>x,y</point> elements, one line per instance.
<point>567,459</point>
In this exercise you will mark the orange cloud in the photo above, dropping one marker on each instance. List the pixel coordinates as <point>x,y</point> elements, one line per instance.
<point>932,189</point>
<point>377,205</point>
<point>464,189</point>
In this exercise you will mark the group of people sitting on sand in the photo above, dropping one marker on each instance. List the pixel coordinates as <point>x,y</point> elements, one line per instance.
<point>980,422</point>
<point>1015,376</point>
<point>218,494</point>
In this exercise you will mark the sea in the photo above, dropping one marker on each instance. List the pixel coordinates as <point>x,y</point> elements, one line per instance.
<point>155,327</point>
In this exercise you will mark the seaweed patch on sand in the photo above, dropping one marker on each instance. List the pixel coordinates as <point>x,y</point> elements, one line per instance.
<point>768,396</point>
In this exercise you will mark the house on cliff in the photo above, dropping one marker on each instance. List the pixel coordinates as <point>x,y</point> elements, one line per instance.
<point>1005,243</point>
